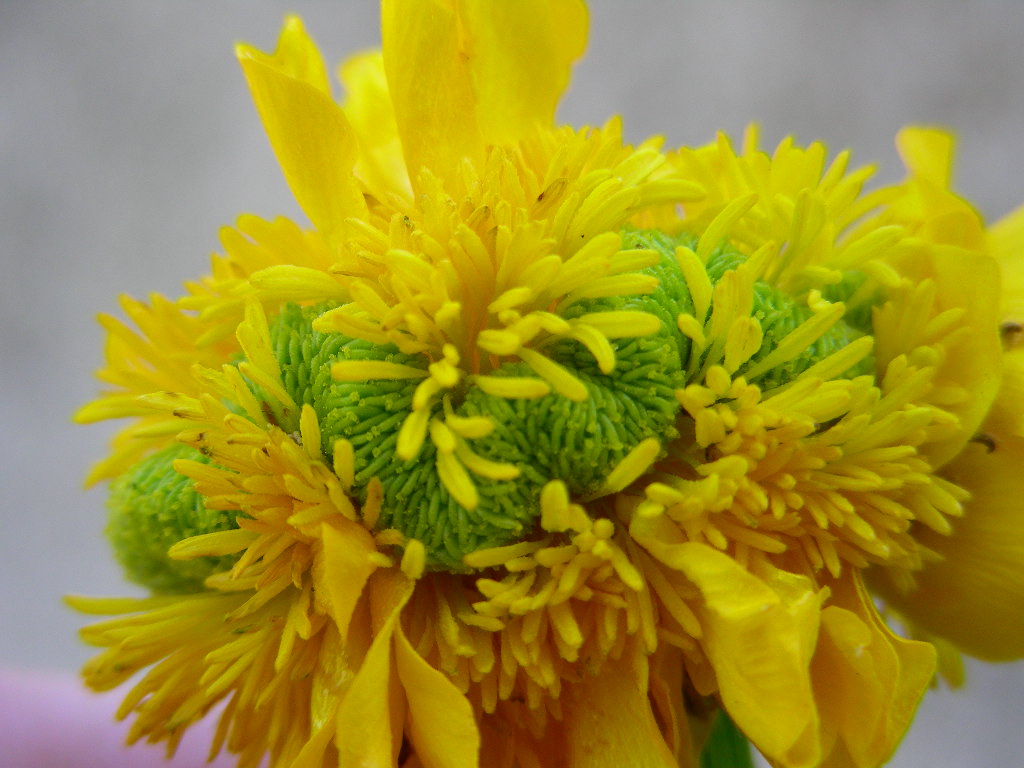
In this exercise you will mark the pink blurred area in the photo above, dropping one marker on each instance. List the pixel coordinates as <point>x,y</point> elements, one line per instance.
<point>51,721</point>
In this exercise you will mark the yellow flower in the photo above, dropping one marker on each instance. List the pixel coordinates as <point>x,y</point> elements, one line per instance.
<point>973,592</point>
<point>538,447</point>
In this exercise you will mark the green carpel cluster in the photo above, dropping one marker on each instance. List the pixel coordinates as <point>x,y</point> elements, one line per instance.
<point>779,315</point>
<point>151,508</point>
<point>547,438</point>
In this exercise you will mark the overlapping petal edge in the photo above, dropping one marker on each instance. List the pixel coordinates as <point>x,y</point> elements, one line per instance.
<point>728,569</point>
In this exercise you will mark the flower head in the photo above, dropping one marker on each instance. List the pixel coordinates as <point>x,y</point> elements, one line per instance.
<point>538,445</point>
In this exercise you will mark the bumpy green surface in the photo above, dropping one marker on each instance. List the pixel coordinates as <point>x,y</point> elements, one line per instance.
<point>546,438</point>
<point>152,507</point>
<point>857,316</point>
<point>779,315</point>
<point>726,746</point>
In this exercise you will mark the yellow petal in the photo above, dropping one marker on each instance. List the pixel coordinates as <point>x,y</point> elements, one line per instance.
<point>520,55</point>
<point>666,693</point>
<point>609,721</point>
<point>1006,419</point>
<point>868,681</point>
<point>368,735</point>
<point>429,80</point>
<point>975,595</point>
<point>441,724</point>
<point>466,73</point>
<point>330,680</point>
<point>368,108</point>
<point>308,131</point>
<point>342,569</point>
<point>1006,241</point>
<point>364,729</point>
<point>972,362</point>
<point>759,635</point>
<point>927,153</point>
<point>953,254</point>
<point>934,211</point>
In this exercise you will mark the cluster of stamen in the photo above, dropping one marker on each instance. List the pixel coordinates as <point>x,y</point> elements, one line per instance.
<point>504,391</point>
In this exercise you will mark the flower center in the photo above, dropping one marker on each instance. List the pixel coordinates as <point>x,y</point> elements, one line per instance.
<point>477,482</point>
<point>480,489</point>
<point>153,507</point>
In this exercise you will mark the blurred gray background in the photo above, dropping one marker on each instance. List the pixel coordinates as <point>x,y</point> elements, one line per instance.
<point>127,139</point>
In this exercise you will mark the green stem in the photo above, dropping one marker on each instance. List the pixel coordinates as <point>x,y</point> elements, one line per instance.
<point>726,746</point>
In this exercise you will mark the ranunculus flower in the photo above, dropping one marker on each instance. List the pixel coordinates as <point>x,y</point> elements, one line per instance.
<point>538,448</point>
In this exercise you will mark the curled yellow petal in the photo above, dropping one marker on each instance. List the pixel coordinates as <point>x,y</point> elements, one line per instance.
<point>342,571</point>
<point>371,115</point>
<point>367,734</point>
<point>429,80</point>
<point>464,74</point>
<point>1006,419</point>
<point>1006,241</point>
<point>759,635</point>
<point>309,133</point>
<point>520,55</point>
<point>971,366</point>
<point>609,720</point>
<point>441,724</point>
<point>868,682</point>
<point>930,207</point>
<point>927,153</point>
<point>965,274</point>
<point>974,595</point>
